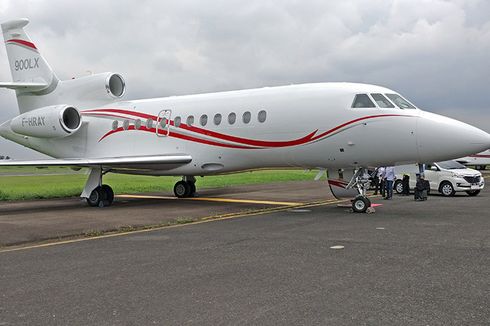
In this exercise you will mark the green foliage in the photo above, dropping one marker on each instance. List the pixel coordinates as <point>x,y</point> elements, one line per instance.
<point>58,185</point>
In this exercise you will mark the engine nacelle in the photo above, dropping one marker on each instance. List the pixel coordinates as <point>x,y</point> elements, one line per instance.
<point>101,88</point>
<point>49,122</point>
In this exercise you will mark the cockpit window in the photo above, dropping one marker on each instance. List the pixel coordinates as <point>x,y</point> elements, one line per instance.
<point>400,101</point>
<point>362,101</point>
<point>382,101</point>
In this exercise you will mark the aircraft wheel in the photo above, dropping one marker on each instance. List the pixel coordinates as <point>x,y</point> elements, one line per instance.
<point>360,204</point>
<point>108,194</point>
<point>182,189</point>
<point>473,192</point>
<point>447,189</point>
<point>101,196</point>
<point>192,187</point>
<point>95,197</point>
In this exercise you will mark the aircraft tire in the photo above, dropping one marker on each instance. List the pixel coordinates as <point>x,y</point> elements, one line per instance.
<point>108,194</point>
<point>192,187</point>
<point>182,189</point>
<point>95,197</point>
<point>360,204</point>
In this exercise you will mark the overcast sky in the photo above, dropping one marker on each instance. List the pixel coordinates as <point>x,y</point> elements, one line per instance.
<point>436,53</point>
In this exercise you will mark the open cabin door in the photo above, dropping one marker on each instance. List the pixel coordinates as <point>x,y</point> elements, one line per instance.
<point>163,123</point>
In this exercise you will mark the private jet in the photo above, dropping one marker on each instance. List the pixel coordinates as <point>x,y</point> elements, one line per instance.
<point>341,129</point>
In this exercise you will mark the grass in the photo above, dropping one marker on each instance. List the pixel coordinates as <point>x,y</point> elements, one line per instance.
<point>71,184</point>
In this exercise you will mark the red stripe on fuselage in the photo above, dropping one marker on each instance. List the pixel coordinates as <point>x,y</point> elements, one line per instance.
<point>22,42</point>
<point>178,135</point>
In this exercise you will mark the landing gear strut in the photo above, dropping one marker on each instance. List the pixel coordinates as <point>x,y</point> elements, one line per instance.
<point>186,187</point>
<point>360,180</point>
<point>95,193</point>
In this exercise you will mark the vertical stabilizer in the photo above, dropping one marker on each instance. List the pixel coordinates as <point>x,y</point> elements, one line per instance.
<point>31,74</point>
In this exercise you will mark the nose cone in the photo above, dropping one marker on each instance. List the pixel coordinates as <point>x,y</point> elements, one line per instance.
<point>440,138</point>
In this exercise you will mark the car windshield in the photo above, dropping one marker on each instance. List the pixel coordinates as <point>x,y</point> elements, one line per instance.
<point>400,101</point>
<point>451,165</point>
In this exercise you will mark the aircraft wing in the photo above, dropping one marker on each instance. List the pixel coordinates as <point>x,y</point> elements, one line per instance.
<point>120,163</point>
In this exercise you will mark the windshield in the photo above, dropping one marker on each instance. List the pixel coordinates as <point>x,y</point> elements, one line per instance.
<point>400,101</point>
<point>451,165</point>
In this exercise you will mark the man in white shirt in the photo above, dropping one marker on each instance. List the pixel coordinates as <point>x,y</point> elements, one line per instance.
<point>390,179</point>
<point>381,182</point>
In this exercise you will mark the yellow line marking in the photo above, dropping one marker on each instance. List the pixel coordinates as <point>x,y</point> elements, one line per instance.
<point>215,199</point>
<point>200,221</point>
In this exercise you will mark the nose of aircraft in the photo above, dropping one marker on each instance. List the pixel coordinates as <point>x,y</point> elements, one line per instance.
<point>440,138</point>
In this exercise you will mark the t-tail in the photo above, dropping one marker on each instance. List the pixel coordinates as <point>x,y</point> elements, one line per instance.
<point>37,86</point>
<point>31,73</point>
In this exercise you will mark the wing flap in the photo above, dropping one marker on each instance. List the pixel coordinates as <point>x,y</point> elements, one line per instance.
<point>145,162</point>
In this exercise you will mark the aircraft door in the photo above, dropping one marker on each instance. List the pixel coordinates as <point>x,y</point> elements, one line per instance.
<point>163,123</point>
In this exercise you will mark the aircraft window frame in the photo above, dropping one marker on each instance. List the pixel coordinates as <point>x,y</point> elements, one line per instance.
<point>262,116</point>
<point>203,120</point>
<point>115,125</point>
<point>217,119</point>
<point>190,120</point>
<point>357,98</point>
<point>246,117</point>
<point>126,124</point>
<point>409,106</point>
<point>232,118</point>
<point>177,121</point>
<point>383,102</point>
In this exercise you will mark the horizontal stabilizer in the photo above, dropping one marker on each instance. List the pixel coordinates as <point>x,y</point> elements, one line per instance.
<point>32,87</point>
<point>132,162</point>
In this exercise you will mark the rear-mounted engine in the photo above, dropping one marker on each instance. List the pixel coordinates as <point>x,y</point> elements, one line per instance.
<point>48,122</point>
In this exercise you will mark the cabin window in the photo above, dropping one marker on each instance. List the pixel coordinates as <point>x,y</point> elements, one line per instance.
<point>126,124</point>
<point>115,124</point>
<point>217,119</point>
<point>262,116</point>
<point>137,124</point>
<point>231,118</point>
<point>149,123</point>
<point>203,120</point>
<point>246,117</point>
<point>382,101</point>
<point>177,121</point>
<point>190,120</point>
<point>362,101</point>
<point>400,101</point>
<point>163,122</point>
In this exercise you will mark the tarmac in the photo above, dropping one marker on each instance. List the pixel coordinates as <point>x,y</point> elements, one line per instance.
<point>252,255</point>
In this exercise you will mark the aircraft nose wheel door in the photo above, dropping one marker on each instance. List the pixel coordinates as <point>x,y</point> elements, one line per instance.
<point>163,123</point>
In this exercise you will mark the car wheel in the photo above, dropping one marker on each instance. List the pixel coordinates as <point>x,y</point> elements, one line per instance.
<point>473,192</point>
<point>447,189</point>
<point>399,187</point>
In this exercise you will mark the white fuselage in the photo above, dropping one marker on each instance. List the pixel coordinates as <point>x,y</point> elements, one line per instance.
<point>309,126</point>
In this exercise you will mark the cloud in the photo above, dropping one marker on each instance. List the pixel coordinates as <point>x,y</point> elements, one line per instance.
<point>434,52</point>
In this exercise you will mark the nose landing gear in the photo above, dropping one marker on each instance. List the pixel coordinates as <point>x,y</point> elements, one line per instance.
<point>360,180</point>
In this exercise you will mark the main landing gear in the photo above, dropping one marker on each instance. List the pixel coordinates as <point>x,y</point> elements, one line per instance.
<point>185,188</point>
<point>360,180</point>
<point>95,193</point>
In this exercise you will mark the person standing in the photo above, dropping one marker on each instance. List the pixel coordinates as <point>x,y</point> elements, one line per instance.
<point>381,181</point>
<point>389,179</point>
